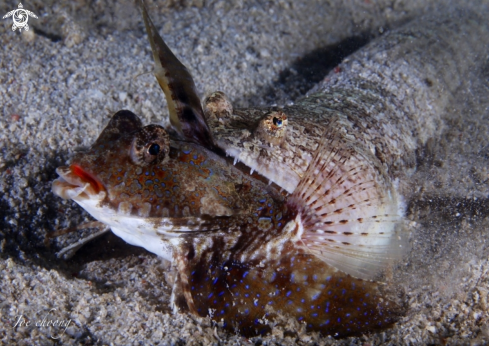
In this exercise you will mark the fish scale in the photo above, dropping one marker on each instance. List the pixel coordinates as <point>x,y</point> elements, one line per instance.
<point>275,215</point>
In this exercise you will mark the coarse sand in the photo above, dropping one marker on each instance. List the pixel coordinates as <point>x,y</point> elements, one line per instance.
<point>81,61</point>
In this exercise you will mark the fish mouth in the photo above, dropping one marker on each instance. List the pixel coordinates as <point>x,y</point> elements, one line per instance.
<point>76,183</point>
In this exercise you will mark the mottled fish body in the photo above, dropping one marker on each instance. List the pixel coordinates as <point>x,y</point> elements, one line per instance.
<point>389,97</point>
<point>298,224</point>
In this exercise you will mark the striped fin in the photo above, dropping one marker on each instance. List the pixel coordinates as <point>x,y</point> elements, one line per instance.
<point>186,114</point>
<point>348,209</point>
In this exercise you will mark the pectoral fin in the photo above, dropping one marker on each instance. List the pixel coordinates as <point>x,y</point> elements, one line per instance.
<point>186,114</point>
<point>348,209</point>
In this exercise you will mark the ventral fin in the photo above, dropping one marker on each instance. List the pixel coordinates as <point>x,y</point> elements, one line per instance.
<point>348,209</point>
<point>186,114</point>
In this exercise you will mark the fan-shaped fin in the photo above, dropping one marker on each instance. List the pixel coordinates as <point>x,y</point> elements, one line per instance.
<point>186,114</point>
<point>348,209</point>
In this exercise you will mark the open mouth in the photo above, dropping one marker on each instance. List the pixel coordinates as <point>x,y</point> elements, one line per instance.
<point>76,183</point>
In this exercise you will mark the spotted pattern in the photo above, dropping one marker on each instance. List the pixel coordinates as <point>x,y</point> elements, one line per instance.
<point>184,182</point>
<point>240,259</point>
<point>246,296</point>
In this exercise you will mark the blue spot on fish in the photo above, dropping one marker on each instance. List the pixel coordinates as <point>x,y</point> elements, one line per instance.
<point>264,219</point>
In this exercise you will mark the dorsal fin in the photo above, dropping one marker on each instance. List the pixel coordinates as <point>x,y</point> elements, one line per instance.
<point>122,122</point>
<point>348,209</point>
<point>186,114</point>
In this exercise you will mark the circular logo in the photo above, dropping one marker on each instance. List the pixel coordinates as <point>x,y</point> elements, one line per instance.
<point>20,18</point>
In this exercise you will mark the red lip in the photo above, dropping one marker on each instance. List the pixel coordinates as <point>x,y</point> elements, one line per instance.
<point>87,177</point>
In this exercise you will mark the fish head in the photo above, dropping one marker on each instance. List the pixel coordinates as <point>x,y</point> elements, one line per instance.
<point>271,141</point>
<point>121,147</point>
<point>148,188</point>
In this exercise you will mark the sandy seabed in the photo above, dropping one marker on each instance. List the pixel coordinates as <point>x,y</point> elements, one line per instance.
<point>82,61</point>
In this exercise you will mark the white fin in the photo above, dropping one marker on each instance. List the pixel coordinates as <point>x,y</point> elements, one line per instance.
<point>348,210</point>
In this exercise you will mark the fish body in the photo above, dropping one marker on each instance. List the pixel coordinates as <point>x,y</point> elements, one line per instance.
<point>234,241</point>
<point>280,215</point>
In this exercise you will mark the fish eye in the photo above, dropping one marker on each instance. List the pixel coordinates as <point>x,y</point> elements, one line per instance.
<point>277,122</point>
<point>272,127</point>
<point>150,145</point>
<point>154,149</point>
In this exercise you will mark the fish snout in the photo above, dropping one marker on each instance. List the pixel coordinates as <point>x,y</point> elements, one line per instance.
<point>76,183</point>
